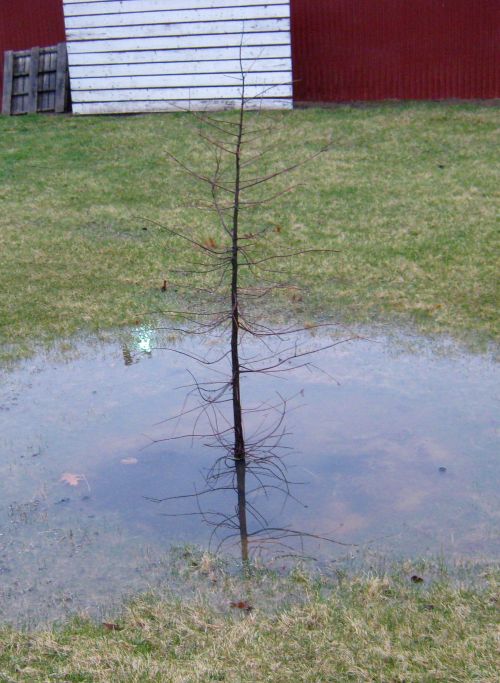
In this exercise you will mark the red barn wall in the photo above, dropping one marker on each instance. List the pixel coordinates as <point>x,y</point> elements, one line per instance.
<point>347,50</point>
<point>29,23</point>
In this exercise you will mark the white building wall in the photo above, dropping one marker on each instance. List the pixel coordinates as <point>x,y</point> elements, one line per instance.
<point>129,56</point>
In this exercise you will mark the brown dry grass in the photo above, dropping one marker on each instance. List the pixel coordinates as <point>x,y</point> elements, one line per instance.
<point>373,628</point>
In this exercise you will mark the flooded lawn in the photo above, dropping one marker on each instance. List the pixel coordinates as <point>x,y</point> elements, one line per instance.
<point>394,451</point>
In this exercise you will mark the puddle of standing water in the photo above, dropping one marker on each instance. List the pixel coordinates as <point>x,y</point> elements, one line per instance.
<point>397,452</point>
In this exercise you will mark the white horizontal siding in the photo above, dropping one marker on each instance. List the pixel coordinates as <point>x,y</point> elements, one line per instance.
<point>185,29</point>
<point>162,55</point>
<point>116,83</point>
<point>280,11</point>
<point>96,72</point>
<point>175,106</point>
<point>180,55</point>
<point>92,7</point>
<point>184,94</point>
<point>179,42</point>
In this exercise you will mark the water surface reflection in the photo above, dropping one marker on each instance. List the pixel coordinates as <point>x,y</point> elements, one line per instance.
<point>398,450</point>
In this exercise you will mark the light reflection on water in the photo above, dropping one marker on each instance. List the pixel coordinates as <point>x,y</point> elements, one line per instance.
<point>399,451</point>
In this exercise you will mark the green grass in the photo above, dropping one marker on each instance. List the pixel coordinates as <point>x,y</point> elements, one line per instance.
<point>407,195</point>
<point>371,627</point>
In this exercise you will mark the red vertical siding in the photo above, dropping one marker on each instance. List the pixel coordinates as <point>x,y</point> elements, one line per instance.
<point>29,23</point>
<point>404,49</point>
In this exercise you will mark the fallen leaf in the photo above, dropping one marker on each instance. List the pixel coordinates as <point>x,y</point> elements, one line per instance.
<point>242,604</point>
<point>112,627</point>
<point>210,243</point>
<point>278,228</point>
<point>129,461</point>
<point>72,479</point>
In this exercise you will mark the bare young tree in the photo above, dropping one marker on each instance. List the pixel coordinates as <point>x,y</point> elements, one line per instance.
<point>243,270</point>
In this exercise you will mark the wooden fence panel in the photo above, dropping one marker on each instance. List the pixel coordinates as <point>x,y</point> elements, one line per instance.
<point>35,80</point>
<point>8,75</point>
<point>162,55</point>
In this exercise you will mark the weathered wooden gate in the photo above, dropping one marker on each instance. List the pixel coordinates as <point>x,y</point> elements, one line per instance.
<point>35,80</point>
<point>164,55</point>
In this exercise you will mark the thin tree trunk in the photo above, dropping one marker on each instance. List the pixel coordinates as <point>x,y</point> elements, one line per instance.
<point>239,438</point>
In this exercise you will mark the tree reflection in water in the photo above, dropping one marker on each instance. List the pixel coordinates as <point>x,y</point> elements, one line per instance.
<point>232,272</point>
